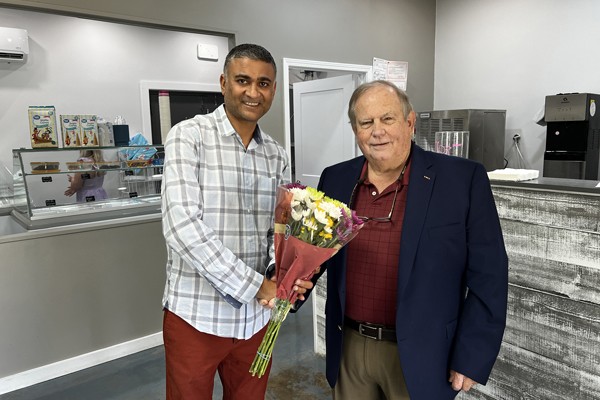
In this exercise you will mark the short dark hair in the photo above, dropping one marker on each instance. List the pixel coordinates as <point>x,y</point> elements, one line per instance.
<point>359,91</point>
<point>251,51</point>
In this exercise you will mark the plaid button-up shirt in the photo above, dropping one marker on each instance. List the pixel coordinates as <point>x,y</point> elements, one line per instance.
<point>218,200</point>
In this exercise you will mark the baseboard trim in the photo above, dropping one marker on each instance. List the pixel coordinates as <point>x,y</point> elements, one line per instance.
<point>37,375</point>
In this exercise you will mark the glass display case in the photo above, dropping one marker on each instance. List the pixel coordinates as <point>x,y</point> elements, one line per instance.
<point>63,186</point>
<point>6,190</point>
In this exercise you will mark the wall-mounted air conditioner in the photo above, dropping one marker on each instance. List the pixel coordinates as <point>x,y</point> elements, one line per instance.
<point>14,45</point>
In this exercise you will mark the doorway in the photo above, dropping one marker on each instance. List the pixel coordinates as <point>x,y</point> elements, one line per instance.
<point>296,70</point>
<point>317,70</point>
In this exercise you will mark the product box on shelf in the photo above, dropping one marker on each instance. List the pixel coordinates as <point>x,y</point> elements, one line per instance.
<point>89,131</point>
<point>71,130</point>
<point>106,136</point>
<point>42,125</point>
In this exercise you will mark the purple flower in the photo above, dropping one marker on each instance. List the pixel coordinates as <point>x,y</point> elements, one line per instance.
<point>355,219</point>
<point>294,185</point>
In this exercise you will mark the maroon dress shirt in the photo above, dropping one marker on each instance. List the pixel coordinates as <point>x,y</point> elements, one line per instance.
<point>372,257</point>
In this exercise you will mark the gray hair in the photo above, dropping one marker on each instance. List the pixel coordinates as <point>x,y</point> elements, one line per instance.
<point>362,89</point>
<point>251,51</point>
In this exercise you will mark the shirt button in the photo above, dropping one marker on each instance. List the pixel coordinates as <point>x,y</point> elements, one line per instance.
<point>374,193</point>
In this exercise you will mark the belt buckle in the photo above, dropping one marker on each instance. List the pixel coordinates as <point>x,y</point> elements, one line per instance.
<point>363,328</point>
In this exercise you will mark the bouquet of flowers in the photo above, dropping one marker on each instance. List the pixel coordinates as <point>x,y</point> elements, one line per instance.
<point>309,229</point>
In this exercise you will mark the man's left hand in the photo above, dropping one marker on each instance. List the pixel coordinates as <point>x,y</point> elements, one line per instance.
<point>461,382</point>
<point>300,287</point>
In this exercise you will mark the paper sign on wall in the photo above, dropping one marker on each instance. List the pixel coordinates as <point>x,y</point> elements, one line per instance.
<point>393,71</point>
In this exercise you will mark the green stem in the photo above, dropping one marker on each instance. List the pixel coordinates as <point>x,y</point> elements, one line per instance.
<point>263,354</point>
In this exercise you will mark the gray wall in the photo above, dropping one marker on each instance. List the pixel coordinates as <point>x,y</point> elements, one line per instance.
<point>347,31</point>
<point>511,54</point>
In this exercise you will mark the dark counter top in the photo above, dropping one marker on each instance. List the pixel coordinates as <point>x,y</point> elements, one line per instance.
<point>553,184</point>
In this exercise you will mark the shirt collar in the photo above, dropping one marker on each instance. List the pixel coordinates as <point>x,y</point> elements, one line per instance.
<point>225,128</point>
<point>364,178</point>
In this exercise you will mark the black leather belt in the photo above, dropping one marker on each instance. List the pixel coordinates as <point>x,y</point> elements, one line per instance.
<point>371,331</point>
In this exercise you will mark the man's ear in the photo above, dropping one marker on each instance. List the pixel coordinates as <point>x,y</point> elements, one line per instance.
<point>412,118</point>
<point>222,81</point>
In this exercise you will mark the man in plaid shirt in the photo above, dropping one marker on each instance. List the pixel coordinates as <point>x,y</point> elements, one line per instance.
<point>220,177</point>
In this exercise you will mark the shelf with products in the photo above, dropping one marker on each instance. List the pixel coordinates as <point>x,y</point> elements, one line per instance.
<point>72,185</point>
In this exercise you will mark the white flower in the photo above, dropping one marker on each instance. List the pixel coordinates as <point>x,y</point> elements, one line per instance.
<point>296,215</point>
<point>321,216</point>
<point>331,209</point>
<point>300,195</point>
<point>310,224</point>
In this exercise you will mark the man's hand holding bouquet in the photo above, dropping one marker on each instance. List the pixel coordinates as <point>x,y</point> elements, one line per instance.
<point>309,229</point>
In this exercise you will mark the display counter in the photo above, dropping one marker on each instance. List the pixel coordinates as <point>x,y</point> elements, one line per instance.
<point>550,351</point>
<point>554,185</point>
<point>73,296</point>
<point>83,271</point>
<point>103,182</point>
<point>9,227</point>
<point>552,234</point>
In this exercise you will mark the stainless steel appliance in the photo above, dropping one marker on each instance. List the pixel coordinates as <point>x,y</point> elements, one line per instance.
<point>572,136</point>
<point>486,132</point>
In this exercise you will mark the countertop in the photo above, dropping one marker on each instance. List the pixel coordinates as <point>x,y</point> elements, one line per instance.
<point>11,230</point>
<point>553,184</point>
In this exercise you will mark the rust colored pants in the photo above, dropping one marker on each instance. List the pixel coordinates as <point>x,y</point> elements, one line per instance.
<point>193,358</point>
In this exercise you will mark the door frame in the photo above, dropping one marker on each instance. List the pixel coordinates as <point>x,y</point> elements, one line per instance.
<point>366,72</point>
<point>293,63</point>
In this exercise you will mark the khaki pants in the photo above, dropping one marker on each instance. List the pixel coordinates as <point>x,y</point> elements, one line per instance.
<point>369,370</point>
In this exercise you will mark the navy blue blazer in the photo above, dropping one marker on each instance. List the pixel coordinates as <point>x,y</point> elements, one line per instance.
<point>452,274</point>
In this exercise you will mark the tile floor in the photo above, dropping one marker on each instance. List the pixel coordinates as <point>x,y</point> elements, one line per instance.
<point>296,373</point>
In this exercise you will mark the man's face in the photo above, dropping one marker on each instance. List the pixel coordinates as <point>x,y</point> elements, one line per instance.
<point>382,133</point>
<point>248,89</point>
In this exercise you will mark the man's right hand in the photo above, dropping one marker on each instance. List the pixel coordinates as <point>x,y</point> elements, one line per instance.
<point>267,292</point>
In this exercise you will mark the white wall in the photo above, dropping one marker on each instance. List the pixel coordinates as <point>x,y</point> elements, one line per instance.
<point>510,54</point>
<point>84,66</point>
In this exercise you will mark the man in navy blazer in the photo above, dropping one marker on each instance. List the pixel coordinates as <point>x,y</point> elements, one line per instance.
<point>416,303</point>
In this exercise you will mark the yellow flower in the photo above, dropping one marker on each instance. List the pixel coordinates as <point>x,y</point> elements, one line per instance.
<point>314,193</point>
<point>325,235</point>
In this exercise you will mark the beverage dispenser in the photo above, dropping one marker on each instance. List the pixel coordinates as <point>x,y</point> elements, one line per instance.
<point>572,136</point>
<point>485,137</point>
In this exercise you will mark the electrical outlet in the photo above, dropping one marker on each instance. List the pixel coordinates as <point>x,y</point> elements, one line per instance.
<point>208,52</point>
<point>513,134</point>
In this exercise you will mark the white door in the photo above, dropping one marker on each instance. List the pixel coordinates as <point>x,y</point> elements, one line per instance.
<point>322,132</point>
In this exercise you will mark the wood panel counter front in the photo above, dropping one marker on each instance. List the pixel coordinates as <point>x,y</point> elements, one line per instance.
<point>551,347</point>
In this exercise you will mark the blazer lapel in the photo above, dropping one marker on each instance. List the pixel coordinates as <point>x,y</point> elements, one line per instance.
<point>341,190</point>
<point>420,186</point>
